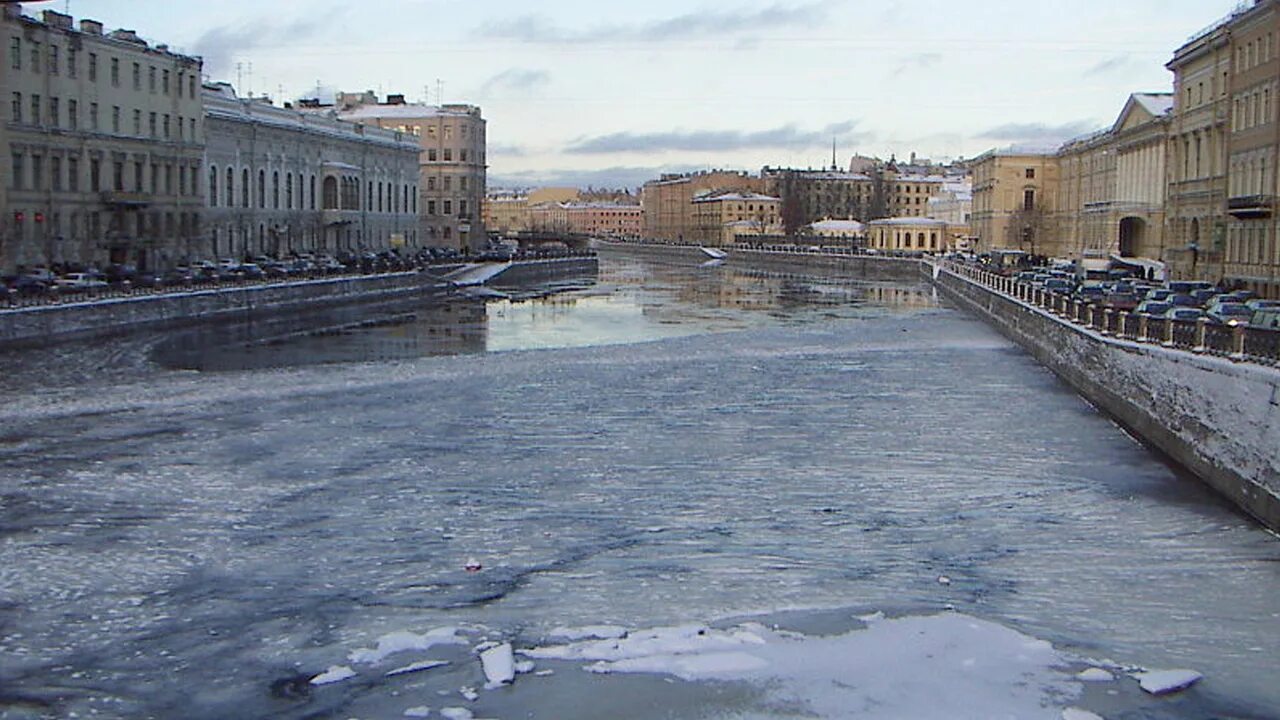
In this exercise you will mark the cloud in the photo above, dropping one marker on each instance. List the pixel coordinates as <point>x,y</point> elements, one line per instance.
<point>1037,132</point>
<point>918,61</point>
<point>220,45</point>
<point>702,23</point>
<point>612,177</point>
<point>506,151</point>
<point>786,136</point>
<point>515,79</point>
<point>1111,65</point>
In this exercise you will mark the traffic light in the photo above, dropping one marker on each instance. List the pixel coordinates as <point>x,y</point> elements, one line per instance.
<point>39,217</point>
<point>19,216</point>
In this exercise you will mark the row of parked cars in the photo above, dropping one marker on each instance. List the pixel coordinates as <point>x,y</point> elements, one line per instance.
<point>1176,300</point>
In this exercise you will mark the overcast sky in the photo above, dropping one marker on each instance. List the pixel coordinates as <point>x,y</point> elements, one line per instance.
<point>612,93</point>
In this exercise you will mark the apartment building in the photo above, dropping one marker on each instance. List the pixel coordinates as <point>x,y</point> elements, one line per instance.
<point>728,217</point>
<point>452,162</point>
<point>282,181</point>
<point>809,196</point>
<point>668,201</point>
<point>1014,196</point>
<point>104,139</point>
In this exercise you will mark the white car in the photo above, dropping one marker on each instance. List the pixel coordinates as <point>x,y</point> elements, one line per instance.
<point>79,281</point>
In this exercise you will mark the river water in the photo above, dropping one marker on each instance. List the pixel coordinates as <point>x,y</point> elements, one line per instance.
<point>765,496</point>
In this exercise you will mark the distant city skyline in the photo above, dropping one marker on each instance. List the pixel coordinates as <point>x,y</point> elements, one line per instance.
<point>580,97</point>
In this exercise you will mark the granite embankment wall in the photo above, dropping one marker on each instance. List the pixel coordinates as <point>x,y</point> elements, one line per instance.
<point>862,267</point>
<point>1218,418</point>
<point>108,316</point>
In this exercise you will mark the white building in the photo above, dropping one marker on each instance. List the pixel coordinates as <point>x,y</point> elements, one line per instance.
<point>452,163</point>
<point>907,234</point>
<point>282,181</point>
<point>103,139</point>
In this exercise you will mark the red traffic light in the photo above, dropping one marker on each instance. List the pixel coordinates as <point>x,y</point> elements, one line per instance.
<point>19,216</point>
<point>39,217</point>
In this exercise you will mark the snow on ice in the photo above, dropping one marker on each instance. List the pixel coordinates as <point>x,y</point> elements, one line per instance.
<point>334,674</point>
<point>1163,682</point>
<point>499,665</point>
<point>404,640</point>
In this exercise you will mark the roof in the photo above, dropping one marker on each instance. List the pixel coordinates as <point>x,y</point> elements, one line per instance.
<point>221,103</point>
<point>410,111</point>
<point>1155,103</point>
<point>750,196</point>
<point>909,221</point>
<point>838,226</point>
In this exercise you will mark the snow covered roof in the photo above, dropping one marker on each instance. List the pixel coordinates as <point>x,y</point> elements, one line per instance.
<point>221,103</point>
<point>852,226</point>
<point>734,196</point>
<point>1155,103</point>
<point>909,221</point>
<point>408,111</point>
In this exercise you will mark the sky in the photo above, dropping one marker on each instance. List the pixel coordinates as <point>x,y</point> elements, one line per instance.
<point>611,94</point>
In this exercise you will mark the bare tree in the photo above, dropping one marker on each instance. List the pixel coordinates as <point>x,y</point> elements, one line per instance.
<point>1028,227</point>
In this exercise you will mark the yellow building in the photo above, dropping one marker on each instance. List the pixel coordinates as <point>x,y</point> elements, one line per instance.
<point>726,218</point>
<point>1112,184</point>
<point>1014,195</point>
<point>1251,254</point>
<point>668,201</point>
<point>907,234</point>
<point>1196,212</point>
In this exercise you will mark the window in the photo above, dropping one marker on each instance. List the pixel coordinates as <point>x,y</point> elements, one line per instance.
<point>231,189</point>
<point>155,179</point>
<point>213,186</point>
<point>73,174</point>
<point>288,195</point>
<point>431,207</point>
<point>54,60</point>
<point>35,56</point>
<point>1028,200</point>
<point>37,172</point>
<point>462,208</point>
<point>15,53</point>
<point>115,72</point>
<point>15,112</point>
<point>151,79</point>
<point>463,183</point>
<point>71,62</point>
<point>448,207</point>
<point>462,155</point>
<point>167,134</point>
<point>244,188</point>
<point>1031,173</point>
<point>137,76</point>
<point>313,192</point>
<point>35,109</point>
<point>137,176</point>
<point>95,175</point>
<point>192,84</point>
<point>55,112</point>
<point>19,175</point>
<point>448,183</point>
<point>151,124</point>
<point>262,189</point>
<point>93,67</point>
<point>275,190</point>
<point>115,118</point>
<point>448,155</point>
<point>431,155</point>
<point>431,183</point>
<point>73,114</point>
<point>137,122</point>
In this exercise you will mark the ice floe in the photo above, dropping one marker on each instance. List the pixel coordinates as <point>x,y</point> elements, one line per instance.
<point>1163,682</point>
<point>403,640</point>
<point>1095,674</point>
<point>1078,714</point>
<point>334,674</point>
<point>499,665</point>
<point>418,712</point>
<point>417,667</point>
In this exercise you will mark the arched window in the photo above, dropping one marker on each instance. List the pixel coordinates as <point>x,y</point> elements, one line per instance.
<point>262,188</point>
<point>213,186</point>
<point>244,188</point>
<point>275,190</point>
<point>231,190</point>
<point>313,192</point>
<point>331,193</point>
<point>288,196</point>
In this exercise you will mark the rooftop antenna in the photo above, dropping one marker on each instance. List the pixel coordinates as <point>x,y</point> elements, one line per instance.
<point>834,166</point>
<point>250,73</point>
<point>439,91</point>
<point>240,76</point>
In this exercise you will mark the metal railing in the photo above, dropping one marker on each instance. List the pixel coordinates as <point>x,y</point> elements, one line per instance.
<point>1204,336</point>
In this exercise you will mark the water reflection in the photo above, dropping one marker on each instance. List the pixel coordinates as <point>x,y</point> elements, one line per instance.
<point>630,301</point>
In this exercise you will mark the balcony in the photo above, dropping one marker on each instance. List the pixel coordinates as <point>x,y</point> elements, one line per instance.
<point>125,200</point>
<point>1250,207</point>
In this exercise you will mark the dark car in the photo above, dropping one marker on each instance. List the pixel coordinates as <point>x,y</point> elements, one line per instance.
<point>1153,308</point>
<point>1229,313</point>
<point>177,278</point>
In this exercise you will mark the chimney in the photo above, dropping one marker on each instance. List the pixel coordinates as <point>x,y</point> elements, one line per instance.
<point>90,27</point>
<point>57,19</point>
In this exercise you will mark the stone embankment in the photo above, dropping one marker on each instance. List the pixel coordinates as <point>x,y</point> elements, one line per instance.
<point>1217,416</point>
<point>102,317</point>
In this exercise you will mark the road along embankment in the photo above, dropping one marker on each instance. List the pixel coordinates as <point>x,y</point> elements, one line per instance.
<point>43,324</point>
<point>1216,417</point>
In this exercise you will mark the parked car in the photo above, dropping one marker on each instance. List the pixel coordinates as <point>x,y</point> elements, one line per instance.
<point>1203,295</point>
<point>1153,308</point>
<point>1121,300</point>
<point>1058,285</point>
<point>1159,294</point>
<point>1184,313</point>
<point>1256,305</point>
<point>1229,313</point>
<point>1185,287</point>
<point>1091,293</point>
<point>1182,300</point>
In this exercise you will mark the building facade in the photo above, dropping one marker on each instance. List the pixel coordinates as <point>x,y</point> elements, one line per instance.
<point>1196,220</point>
<point>809,196</point>
<point>1251,252</point>
<point>1013,201</point>
<point>104,144</point>
<point>726,218</point>
<point>908,235</point>
<point>668,201</point>
<point>1112,185</point>
<point>284,182</point>
<point>453,164</point>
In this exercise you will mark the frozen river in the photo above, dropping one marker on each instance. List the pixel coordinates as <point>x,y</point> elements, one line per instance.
<point>674,492</point>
